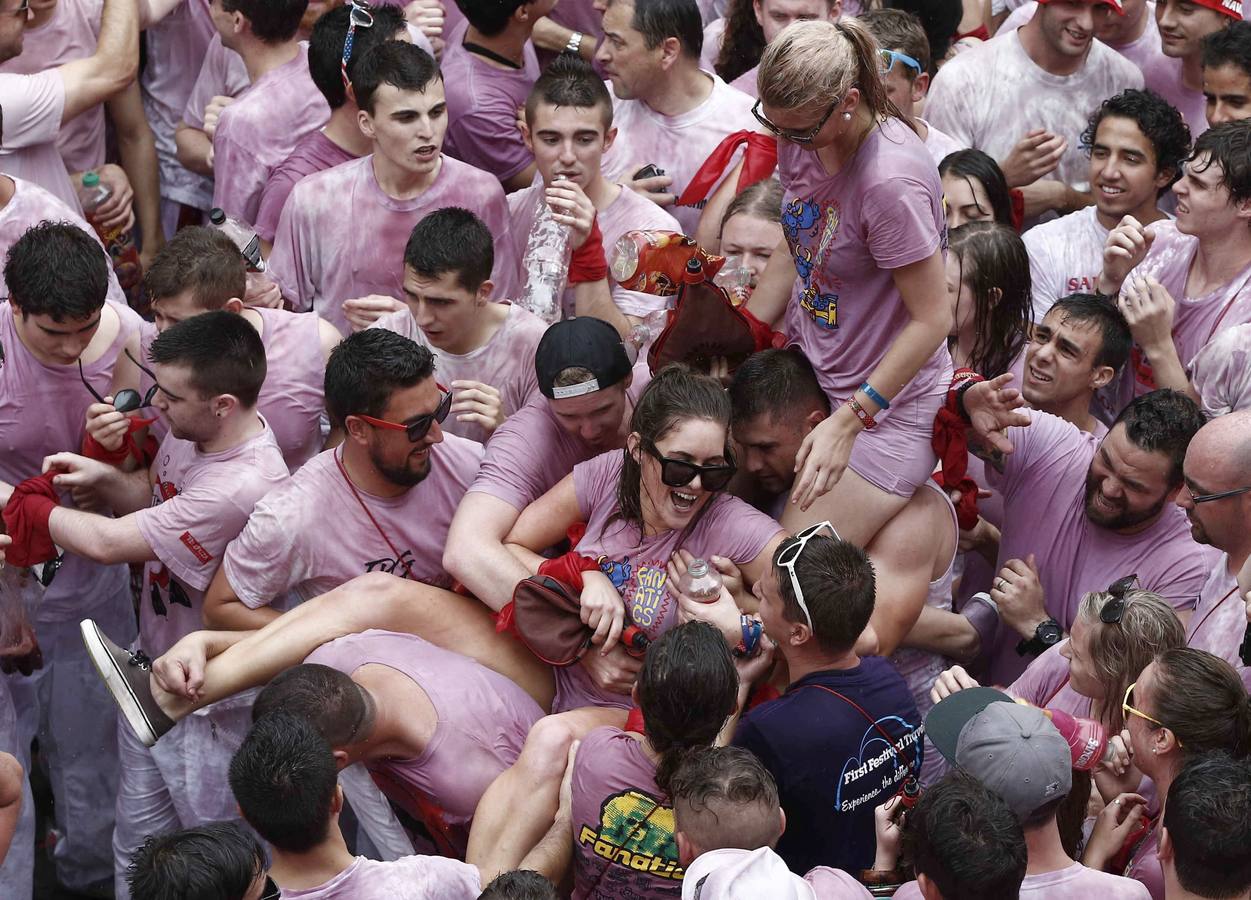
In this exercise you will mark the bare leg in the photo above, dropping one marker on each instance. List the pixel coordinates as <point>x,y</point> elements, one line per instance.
<point>518,807</point>
<point>449,620</point>
<point>856,508</point>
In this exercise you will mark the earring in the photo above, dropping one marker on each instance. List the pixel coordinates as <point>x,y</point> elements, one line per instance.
<point>1155,750</point>
<point>846,116</point>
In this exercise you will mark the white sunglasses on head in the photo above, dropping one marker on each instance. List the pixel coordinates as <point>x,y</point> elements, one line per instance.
<point>790,556</point>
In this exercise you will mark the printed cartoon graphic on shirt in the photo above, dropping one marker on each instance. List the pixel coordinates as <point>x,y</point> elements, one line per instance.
<point>635,833</point>
<point>642,587</point>
<point>810,230</point>
<point>162,587</point>
<point>879,768</point>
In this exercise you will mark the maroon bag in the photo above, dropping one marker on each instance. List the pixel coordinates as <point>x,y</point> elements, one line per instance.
<point>704,324</point>
<point>547,618</point>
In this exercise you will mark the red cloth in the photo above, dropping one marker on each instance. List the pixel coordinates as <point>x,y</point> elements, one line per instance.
<point>588,262</point>
<point>26,521</point>
<point>504,620</point>
<point>568,568</point>
<point>981,32</point>
<point>1018,208</point>
<point>93,449</point>
<point>950,442</point>
<point>759,160</point>
<point>765,336</point>
<point>634,721</point>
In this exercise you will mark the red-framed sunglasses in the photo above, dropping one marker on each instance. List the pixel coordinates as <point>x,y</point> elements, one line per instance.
<point>419,427</point>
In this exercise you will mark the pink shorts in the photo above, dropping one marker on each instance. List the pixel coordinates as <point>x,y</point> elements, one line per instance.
<point>897,456</point>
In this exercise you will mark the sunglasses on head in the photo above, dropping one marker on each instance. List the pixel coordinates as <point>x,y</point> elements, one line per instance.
<point>419,427</point>
<point>127,399</point>
<point>790,556</point>
<point>890,57</point>
<point>1114,609</point>
<point>676,473</point>
<point>360,16</point>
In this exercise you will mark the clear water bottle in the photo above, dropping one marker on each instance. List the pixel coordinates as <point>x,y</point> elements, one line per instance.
<point>243,235</point>
<point>701,582</point>
<point>546,265</point>
<point>736,278</point>
<point>119,242</point>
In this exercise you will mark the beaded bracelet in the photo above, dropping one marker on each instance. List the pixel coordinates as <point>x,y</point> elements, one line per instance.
<point>861,413</point>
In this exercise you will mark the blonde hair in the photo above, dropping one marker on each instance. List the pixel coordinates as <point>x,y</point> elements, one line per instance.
<point>813,62</point>
<point>1119,652</point>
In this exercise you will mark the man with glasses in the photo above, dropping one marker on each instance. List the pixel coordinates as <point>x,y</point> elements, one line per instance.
<point>906,62</point>
<point>1216,497</point>
<point>36,106</point>
<point>393,485</point>
<point>1024,96</point>
<point>259,130</point>
<point>846,735</point>
<point>218,460</point>
<point>56,320</point>
<point>669,113</point>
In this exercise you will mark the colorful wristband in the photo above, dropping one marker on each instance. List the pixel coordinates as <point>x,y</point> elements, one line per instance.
<point>861,413</point>
<point>588,262</point>
<point>867,390</point>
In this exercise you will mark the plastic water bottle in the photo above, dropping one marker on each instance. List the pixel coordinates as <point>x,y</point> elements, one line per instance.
<point>701,582</point>
<point>119,242</point>
<point>243,235</point>
<point>546,265</point>
<point>736,278</point>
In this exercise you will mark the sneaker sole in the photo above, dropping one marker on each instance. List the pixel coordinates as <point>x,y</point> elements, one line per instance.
<point>115,680</point>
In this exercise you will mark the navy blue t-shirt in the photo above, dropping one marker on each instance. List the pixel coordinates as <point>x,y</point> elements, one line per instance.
<point>831,764</point>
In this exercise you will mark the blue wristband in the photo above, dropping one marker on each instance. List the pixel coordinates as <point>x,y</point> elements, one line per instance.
<point>867,390</point>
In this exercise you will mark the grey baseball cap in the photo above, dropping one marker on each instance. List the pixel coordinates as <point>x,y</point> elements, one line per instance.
<point>1012,749</point>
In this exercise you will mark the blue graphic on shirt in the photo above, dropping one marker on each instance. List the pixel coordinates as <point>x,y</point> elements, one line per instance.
<point>810,229</point>
<point>877,755</point>
<point>642,587</point>
<point>618,572</point>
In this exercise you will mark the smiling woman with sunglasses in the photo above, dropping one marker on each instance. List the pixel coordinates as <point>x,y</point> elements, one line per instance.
<point>858,283</point>
<point>662,493</point>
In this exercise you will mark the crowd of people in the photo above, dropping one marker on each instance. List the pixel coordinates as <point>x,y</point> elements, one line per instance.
<point>366,536</point>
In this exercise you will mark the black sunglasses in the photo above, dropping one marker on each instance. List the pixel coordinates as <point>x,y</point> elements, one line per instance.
<point>1114,609</point>
<point>677,473</point>
<point>127,399</point>
<point>419,427</point>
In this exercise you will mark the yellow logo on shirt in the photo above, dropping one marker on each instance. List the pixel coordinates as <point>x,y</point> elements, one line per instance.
<point>636,831</point>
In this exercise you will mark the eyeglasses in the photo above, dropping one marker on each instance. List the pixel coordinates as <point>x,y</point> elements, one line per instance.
<point>419,427</point>
<point>1219,495</point>
<point>127,399</point>
<point>790,556</point>
<point>890,57</point>
<point>795,137</point>
<point>360,16</point>
<point>677,473</point>
<point>1114,609</point>
<point>1128,710</point>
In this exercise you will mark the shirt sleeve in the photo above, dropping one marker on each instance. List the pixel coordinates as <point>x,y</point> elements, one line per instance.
<point>1045,675</point>
<point>33,106</point>
<point>511,469</point>
<point>504,272</point>
<point>265,561</point>
<point>1221,371</point>
<point>594,483</point>
<point>901,226</point>
<point>487,137</point>
<point>735,530</point>
<point>948,105</point>
<point>274,194</point>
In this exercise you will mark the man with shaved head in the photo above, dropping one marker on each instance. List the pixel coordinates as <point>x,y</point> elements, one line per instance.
<point>1217,499</point>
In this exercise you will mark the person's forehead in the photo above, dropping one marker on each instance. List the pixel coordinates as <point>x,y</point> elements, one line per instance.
<point>570,119</point>
<point>66,325</point>
<point>445,284</point>
<point>1229,75</point>
<point>1082,332</point>
<point>393,98</point>
<point>1121,131</point>
<point>619,17</point>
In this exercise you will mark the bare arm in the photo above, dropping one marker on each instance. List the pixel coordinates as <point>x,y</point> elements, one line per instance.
<point>944,632</point>
<point>99,538</point>
<point>555,37</point>
<point>114,64</point>
<point>475,554</point>
<point>224,610</point>
<point>594,298</point>
<point>543,523</point>
<point>137,148</point>
<point>194,149</point>
<point>773,292</point>
<point>153,11</point>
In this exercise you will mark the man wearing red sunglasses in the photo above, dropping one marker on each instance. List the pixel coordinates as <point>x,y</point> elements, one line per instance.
<point>392,487</point>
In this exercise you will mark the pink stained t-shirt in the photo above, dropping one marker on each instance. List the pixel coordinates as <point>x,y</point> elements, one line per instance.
<point>636,565</point>
<point>1166,80</point>
<point>1221,372</point>
<point>31,205</point>
<point>259,130</point>
<point>628,212</point>
<point>200,502</point>
<point>69,34</point>
<point>938,143</point>
<point>293,397</point>
<point>1074,883</point>
<point>678,144</point>
<point>1043,486</point>
<point>623,830</point>
<point>331,210</point>
<point>483,720</point>
<point>43,410</point>
<point>505,362</point>
<point>1065,257</point>
<point>222,74</point>
<point>846,232</point>
<point>286,545</point>
<point>176,46</point>
<point>532,451</point>
<point>482,102</point>
<point>312,153</point>
<point>408,878</point>
<point>1219,621</point>
<point>33,106</point>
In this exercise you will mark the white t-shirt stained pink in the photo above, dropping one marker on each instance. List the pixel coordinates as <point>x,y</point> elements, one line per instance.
<point>409,878</point>
<point>505,362</point>
<point>1074,883</point>
<point>287,546</point>
<point>1065,257</point>
<point>990,96</point>
<point>1219,621</point>
<point>939,143</point>
<point>340,236</point>
<point>846,232</point>
<point>1221,372</point>
<point>1165,78</point>
<point>312,153</point>
<point>678,144</point>
<point>293,397</point>
<point>69,34</point>
<point>200,502</point>
<point>1043,486</point>
<point>259,130</point>
<point>33,106</point>
<point>628,212</point>
<point>222,74</point>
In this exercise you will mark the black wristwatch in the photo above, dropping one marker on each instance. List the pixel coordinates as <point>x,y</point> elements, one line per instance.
<point>1047,634</point>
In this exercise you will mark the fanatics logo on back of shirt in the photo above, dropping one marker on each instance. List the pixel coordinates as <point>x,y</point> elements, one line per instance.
<point>196,548</point>
<point>635,832</point>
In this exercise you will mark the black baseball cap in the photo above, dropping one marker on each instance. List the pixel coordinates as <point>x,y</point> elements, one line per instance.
<point>585,343</point>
